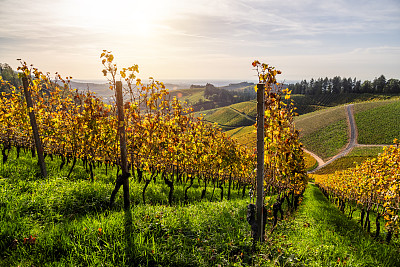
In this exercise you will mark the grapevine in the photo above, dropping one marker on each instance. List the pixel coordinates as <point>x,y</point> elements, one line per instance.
<point>370,185</point>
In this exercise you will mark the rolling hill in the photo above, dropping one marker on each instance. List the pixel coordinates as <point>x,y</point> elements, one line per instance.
<point>325,132</point>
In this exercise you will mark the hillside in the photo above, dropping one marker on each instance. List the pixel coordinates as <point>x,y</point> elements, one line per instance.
<point>305,107</point>
<point>379,124</point>
<point>325,132</point>
<point>192,96</point>
<point>226,117</point>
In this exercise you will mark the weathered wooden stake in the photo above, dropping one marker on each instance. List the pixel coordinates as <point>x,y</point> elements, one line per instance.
<point>122,144</point>
<point>32,118</point>
<point>260,161</point>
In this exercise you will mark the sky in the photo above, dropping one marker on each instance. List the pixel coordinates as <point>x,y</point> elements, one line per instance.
<point>202,39</point>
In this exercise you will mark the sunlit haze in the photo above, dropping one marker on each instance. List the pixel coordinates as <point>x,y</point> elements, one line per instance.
<point>205,39</point>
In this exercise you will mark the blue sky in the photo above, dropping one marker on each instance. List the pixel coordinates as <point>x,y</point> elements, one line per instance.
<point>204,39</point>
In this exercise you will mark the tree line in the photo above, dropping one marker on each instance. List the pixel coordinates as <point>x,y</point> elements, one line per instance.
<point>339,85</point>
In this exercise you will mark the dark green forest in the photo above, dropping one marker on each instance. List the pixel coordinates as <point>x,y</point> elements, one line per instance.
<point>338,85</point>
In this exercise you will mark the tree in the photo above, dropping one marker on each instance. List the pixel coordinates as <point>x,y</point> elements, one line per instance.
<point>336,85</point>
<point>357,86</point>
<point>8,75</point>
<point>379,84</point>
<point>325,86</point>
<point>318,85</point>
<point>392,87</point>
<point>366,87</point>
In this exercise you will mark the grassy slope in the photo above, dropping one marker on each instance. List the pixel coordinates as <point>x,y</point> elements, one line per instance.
<point>314,121</point>
<point>356,156</point>
<point>305,104</point>
<point>380,124</point>
<point>321,235</point>
<point>318,130</point>
<point>228,117</point>
<point>192,96</point>
<point>323,132</point>
<point>327,141</point>
<point>249,108</point>
<point>367,105</point>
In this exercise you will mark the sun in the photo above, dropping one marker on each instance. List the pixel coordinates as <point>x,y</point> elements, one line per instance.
<point>134,17</point>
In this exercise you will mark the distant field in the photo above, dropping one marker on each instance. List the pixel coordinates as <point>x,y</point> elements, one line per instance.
<point>205,113</point>
<point>249,108</point>
<point>379,124</point>
<point>328,140</point>
<point>314,131</point>
<point>312,122</point>
<point>367,105</point>
<point>226,117</point>
<point>325,132</point>
<point>191,96</point>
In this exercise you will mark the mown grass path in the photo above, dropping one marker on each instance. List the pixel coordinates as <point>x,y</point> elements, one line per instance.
<point>320,235</point>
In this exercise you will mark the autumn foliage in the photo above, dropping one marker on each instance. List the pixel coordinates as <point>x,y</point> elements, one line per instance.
<point>374,184</point>
<point>163,135</point>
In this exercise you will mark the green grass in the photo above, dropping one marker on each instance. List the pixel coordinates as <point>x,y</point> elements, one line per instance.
<point>379,125</point>
<point>367,105</point>
<point>226,117</point>
<point>366,151</point>
<point>310,103</point>
<point>192,96</point>
<point>320,235</point>
<point>314,121</point>
<point>327,141</point>
<point>249,108</point>
<point>315,131</point>
<point>354,158</point>
<point>73,226</point>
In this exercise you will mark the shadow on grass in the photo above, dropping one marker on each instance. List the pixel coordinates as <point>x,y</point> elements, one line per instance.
<point>129,237</point>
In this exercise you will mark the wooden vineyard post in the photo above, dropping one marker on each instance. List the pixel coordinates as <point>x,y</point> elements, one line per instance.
<point>260,161</point>
<point>122,144</point>
<point>38,142</point>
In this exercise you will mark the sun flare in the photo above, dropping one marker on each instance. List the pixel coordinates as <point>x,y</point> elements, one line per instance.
<point>128,17</point>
